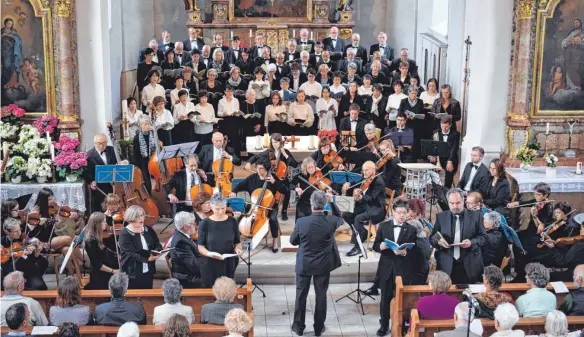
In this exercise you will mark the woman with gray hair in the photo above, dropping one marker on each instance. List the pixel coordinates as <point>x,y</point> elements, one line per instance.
<point>506,316</point>
<point>556,324</point>
<point>496,247</point>
<point>172,291</point>
<point>237,323</point>
<point>225,291</point>
<point>439,305</point>
<point>537,301</point>
<point>138,246</point>
<point>491,298</point>
<point>218,235</point>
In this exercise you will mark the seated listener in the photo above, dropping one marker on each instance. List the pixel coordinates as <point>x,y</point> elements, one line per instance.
<point>556,324</point>
<point>129,329</point>
<point>506,316</point>
<point>537,301</point>
<point>225,291</point>
<point>118,310</point>
<point>491,298</point>
<point>439,305</point>
<point>68,308</point>
<point>573,304</point>
<point>13,288</point>
<point>69,329</point>
<point>176,326</point>
<point>17,318</point>
<point>237,322</point>
<point>462,323</point>
<point>172,292</point>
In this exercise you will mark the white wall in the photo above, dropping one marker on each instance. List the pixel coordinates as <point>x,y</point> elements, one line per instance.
<point>401,19</point>
<point>116,56</point>
<point>456,46</point>
<point>136,30</point>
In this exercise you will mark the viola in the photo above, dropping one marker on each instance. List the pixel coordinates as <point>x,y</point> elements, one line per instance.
<point>15,251</point>
<point>320,182</point>
<point>566,242</point>
<point>223,171</point>
<point>33,218</point>
<point>358,194</point>
<point>333,159</point>
<point>383,160</point>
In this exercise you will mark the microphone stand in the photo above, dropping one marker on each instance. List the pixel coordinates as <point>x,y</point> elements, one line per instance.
<point>248,263</point>
<point>470,306</point>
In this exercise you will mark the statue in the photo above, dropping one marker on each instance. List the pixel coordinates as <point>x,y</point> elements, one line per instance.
<point>191,5</point>
<point>345,5</point>
<point>570,153</point>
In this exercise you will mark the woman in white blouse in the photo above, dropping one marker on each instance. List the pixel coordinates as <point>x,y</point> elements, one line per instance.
<point>204,121</point>
<point>163,121</point>
<point>366,89</point>
<point>431,93</point>
<point>337,89</point>
<point>153,89</point>
<point>232,122</point>
<point>179,83</point>
<point>327,108</point>
<point>311,87</point>
<point>275,119</point>
<point>184,130</point>
<point>133,117</point>
<point>393,102</point>
<point>260,88</point>
<point>300,114</point>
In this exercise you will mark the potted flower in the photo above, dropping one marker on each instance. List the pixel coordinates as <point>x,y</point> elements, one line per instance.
<point>36,148</point>
<point>551,162</point>
<point>47,124</point>
<point>12,113</point>
<point>66,144</point>
<point>71,164</point>
<point>527,155</point>
<point>16,168</point>
<point>39,169</point>
<point>8,131</point>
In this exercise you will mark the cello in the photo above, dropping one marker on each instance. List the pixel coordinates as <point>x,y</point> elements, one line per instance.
<point>223,171</point>
<point>134,193</point>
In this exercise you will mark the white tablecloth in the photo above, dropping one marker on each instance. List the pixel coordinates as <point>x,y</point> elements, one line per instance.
<point>566,180</point>
<point>70,194</point>
<point>300,150</point>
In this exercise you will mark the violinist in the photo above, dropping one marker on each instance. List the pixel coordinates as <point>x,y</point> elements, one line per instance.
<point>325,159</point>
<point>9,209</point>
<point>304,190</point>
<point>112,206</point>
<point>185,257</point>
<point>144,147</point>
<point>103,259</point>
<point>182,182</point>
<point>23,256</point>
<point>277,149</point>
<point>369,205</point>
<point>404,151</point>
<point>256,181</point>
<point>213,152</point>
<point>202,207</point>
<point>388,163</point>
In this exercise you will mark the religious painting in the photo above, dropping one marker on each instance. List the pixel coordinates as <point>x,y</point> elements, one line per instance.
<point>559,69</point>
<point>266,10</point>
<point>27,57</point>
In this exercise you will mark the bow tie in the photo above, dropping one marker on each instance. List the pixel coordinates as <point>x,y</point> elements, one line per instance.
<point>381,47</point>
<point>399,130</point>
<point>179,55</point>
<point>476,166</point>
<point>193,40</point>
<point>101,153</point>
<point>334,40</point>
<point>236,49</point>
<point>445,134</point>
<point>353,121</point>
<point>398,226</point>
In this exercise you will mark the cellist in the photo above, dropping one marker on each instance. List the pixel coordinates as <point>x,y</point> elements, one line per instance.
<point>182,182</point>
<point>215,151</point>
<point>256,181</point>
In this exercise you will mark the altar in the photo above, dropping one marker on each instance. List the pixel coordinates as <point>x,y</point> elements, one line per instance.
<point>303,146</point>
<point>70,194</point>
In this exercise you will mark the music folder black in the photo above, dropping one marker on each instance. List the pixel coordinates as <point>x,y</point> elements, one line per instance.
<point>434,148</point>
<point>404,138</point>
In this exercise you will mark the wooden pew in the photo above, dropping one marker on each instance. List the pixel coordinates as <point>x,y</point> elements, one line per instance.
<point>406,298</point>
<point>531,325</point>
<point>150,298</point>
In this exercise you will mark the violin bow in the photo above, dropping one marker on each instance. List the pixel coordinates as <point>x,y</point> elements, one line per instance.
<point>532,204</point>
<point>316,182</point>
<point>557,222</point>
<point>369,142</point>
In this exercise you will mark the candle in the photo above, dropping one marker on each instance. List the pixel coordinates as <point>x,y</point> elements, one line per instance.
<point>579,167</point>
<point>258,143</point>
<point>311,35</point>
<point>5,149</point>
<point>48,138</point>
<point>52,152</point>
<point>266,140</point>
<point>547,128</point>
<point>293,32</point>
<point>231,34</point>
<point>250,34</point>
<point>311,142</point>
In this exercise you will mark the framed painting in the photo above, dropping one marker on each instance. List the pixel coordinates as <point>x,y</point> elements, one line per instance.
<point>558,74</point>
<point>28,77</point>
<point>270,10</point>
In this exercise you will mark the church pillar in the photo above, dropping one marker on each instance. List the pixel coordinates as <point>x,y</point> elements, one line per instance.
<point>490,29</point>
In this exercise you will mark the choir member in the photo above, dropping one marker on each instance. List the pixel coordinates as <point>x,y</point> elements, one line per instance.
<point>206,56</point>
<point>360,51</point>
<point>333,43</point>
<point>253,126</point>
<point>166,43</point>
<point>213,88</point>
<point>144,147</point>
<point>100,154</point>
<point>204,122</point>
<point>448,105</point>
<point>218,234</point>
<point>366,89</point>
<point>403,57</point>
<point>32,264</point>
<point>265,59</point>
<point>219,64</point>
<point>180,55</point>
<point>316,57</point>
<point>152,90</point>
<point>273,82</point>
<point>300,114</point>
<point>415,82</point>
<point>337,89</point>
<point>464,228</point>
<point>286,94</point>
<point>350,58</point>
<point>305,64</point>
<point>355,124</point>
<point>138,247</point>
<point>218,44</point>
<point>234,51</point>
<point>404,151</point>
<point>282,68</point>
<point>169,62</point>
<point>394,101</point>
<point>431,94</point>
<point>298,78</point>
<point>391,170</point>
<point>103,260</point>
<point>324,75</point>
<point>182,181</point>
<point>311,88</point>
<point>376,104</point>
<point>351,75</point>
<point>327,109</point>
<point>326,59</point>
<point>275,120</point>
<point>422,128</point>
<point>245,64</point>
<point>133,116</point>
<point>383,68</point>
<point>382,47</point>
<point>190,81</point>
<point>304,42</point>
<point>184,130</point>
<point>260,88</point>
<point>194,41</point>
<point>215,151</point>
<point>403,75</point>
<point>369,206</point>
<point>291,53</point>
<point>235,80</point>
<point>196,63</point>
<point>230,125</point>
<point>163,121</point>
<point>185,257</point>
<point>377,75</point>
<point>393,263</point>
<point>475,176</point>
<point>178,86</point>
<point>144,67</point>
<point>257,50</point>
<point>347,101</point>
<point>304,190</point>
<point>450,163</point>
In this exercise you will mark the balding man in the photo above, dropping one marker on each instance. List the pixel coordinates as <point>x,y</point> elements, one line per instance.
<point>304,43</point>
<point>383,47</point>
<point>334,43</point>
<point>180,55</point>
<point>369,205</point>
<point>158,55</point>
<point>573,304</point>
<point>360,51</point>
<point>186,259</point>
<point>13,287</point>
<point>193,41</point>
<point>215,151</point>
<point>403,57</point>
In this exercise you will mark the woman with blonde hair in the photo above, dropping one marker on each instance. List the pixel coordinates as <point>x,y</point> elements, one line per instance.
<point>391,170</point>
<point>176,326</point>
<point>224,290</point>
<point>104,261</point>
<point>237,323</point>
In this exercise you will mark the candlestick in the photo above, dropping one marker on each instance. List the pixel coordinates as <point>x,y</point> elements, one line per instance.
<point>250,34</point>
<point>311,35</point>
<point>293,33</point>
<point>231,34</point>
<point>52,152</point>
<point>266,140</point>
<point>48,138</point>
<point>258,142</point>
<point>546,137</point>
<point>547,128</point>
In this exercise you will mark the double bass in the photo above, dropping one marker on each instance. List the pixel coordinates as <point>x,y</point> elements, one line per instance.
<point>134,193</point>
<point>223,171</point>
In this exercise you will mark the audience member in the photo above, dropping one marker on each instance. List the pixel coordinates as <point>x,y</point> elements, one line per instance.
<point>225,291</point>
<point>68,308</point>
<point>537,301</point>
<point>13,288</point>
<point>496,244</point>
<point>573,304</point>
<point>491,298</point>
<point>172,291</point>
<point>237,322</point>
<point>119,311</point>
<point>461,323</point>
<point>69,329</point>
<point>556,324</point>
<point>176,326</point>
<point>439,305</point>
<point>506,316</point>
<point>129,329</point>
<point>17,318</point>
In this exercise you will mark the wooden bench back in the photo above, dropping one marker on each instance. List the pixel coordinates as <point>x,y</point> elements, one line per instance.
<point>531,325</point>
<point>406,298</point>
<point>150,298</point>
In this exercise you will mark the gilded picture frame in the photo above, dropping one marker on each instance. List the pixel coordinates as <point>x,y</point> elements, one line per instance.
<point>554,93</point>
<point>30,34</point>
<point>307,18</point>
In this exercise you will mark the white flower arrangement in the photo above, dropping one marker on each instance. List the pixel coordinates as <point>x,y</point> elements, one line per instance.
<point>16,167</point>
<point>38,168</point>
<point>551,160</point>
<point>36,147</point>
<point>28,132</point>
<point>8,131</point>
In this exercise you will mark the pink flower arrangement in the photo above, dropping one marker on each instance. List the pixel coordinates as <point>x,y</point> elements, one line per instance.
<point>46,124</point>
<point>329,134</point>
<point>66,144</point>
<point>11,113</point>
<point>71,162</point>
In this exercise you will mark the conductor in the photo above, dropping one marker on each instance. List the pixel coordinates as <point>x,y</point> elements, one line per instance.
<point>317,257</point>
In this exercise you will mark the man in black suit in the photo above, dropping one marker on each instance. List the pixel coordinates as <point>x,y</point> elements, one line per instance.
<point>297,78</point>
<point>305,63</point>
<point>326,59</point>
<point>257,50</point>
<point>450,164</point>
<point>196,63</point>
<point>211,152</point>
<point>360,51</point>
<point>185,257</point>
<point>218,44</point>
<point>316,258</point>
<point>235,51</point>
<point>182,181</point>
<point>344,63</point>
<point>180,55</point>
<point>476,175</point>
<point>369,206</point>
<point>403,57</point>
<point>317,56</point>
<point>383,47</point>
<point>304,43</point>
<point>393,263</point>
<point>157,55</point>
<point>282,69</point>
<point>166,43</point>
<point>100,154</point>
<point>355,124</point>
<point>334,43</point>
<point>193,41</point>
<point>463,229</point>
<point>291,53</point>
<point>401,127</point>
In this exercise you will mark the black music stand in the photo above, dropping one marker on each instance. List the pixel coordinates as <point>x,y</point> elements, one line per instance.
<point>435,149</point>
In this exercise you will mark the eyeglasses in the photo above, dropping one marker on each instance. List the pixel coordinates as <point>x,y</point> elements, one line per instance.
<point>100,143</point>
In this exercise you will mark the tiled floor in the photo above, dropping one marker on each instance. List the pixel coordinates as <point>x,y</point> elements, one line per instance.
<point>273,315</point>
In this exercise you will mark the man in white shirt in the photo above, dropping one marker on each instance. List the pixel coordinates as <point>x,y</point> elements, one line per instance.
<point>476,176</point>
<point>14,286</point>
<point>183,57</point>
<point>182,181</point>
<point>166,43</point>
<point>304,62</point>
<point>212,152</point>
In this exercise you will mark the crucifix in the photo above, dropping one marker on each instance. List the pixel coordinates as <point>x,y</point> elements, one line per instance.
<point>293,140</point>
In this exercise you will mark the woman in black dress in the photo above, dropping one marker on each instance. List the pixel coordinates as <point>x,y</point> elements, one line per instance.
<point>498,191</point>
<point>104,261</point>
<point>219,234</point>
<point>214,88</point>
<point>422,129</point>
<point>352,96</point>
<point>304,190</point>
<point>448,105</point>
<point>144,146</point>
<point>201,207</point>
<point>136,245</point>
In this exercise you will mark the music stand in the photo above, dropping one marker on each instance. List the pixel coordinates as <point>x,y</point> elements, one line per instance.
<point>341,177</point>
<point>114,174</point>
<point>404,138</point>
<point>236,204</point>
<point>435,149</point>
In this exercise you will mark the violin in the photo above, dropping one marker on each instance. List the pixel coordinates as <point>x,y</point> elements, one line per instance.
<point>223,171</point>
<point>333,159</point>
<point>566,242</point>
<point>359,192</point>
<point>117,225</point>
<point>383,160</point>
<point>318,180</point>
<point>16,250</point>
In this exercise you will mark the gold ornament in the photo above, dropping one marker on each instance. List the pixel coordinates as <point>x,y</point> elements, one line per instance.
<point>525,9</point>
<point>63,8</point>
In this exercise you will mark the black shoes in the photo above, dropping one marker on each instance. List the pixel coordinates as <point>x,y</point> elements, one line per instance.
<point>355,251</point>
<point>383,331</point>
<point>284,216</point>
<point>373,291</point>
<point>321,331</point>
<point>297,330</point>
